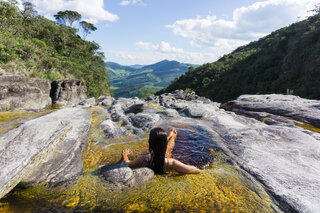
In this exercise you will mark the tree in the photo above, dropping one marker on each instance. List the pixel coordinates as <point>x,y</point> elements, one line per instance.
<point>87,28</point>
<point>13,2</point>
<point>316,9</point>
<point>9,17</point>
<point>67,17</point>
<point>28,11</point>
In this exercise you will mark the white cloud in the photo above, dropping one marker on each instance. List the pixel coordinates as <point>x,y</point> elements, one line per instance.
<point>164,47</point>
<point>92,10</point>
<point>147,45</point>
<point>163,50</point>
<point>248,23</point>
<point>128,2</point>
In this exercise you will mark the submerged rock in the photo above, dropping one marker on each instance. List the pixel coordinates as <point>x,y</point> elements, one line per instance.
<point>301,109</point>
<point>18,92</point>
<point>120,176</point>
<point>68,92</point>
<point>45,150</point>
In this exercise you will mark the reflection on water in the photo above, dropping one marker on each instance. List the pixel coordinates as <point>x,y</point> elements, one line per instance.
<point>220,187</point>
<point>194,146</point>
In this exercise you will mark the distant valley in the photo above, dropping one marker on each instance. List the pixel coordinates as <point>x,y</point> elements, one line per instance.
<point>143,80</point>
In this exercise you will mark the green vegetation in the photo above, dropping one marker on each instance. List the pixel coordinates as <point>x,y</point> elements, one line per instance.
<point>37,47</point>
<point>286,61</point>
<point>142,81</point>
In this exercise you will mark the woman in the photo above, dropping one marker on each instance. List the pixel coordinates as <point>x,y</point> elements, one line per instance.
<point>159,156</point>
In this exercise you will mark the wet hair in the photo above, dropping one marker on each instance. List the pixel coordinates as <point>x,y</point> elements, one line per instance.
<point>157,147</point>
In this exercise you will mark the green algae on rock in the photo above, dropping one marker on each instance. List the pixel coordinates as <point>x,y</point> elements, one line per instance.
<point>12,119</point>
<point>220,187</point>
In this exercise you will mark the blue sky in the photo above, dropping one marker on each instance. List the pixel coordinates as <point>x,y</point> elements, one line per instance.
<point>190,31</point>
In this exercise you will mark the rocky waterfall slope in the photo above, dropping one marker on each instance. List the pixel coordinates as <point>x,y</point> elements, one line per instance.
<point>271,140</point>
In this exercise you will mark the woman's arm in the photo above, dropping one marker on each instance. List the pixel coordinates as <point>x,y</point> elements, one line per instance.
<point>137,162</point>
<point>171,142</point>
<point>173,164</point>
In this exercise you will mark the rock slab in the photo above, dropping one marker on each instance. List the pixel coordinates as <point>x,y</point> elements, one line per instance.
<point>285,159</point>
<point>291,106</point>
<point>68,92</point>
<point>120,176</point>
<point>45,150</point>
<point>18,92</point>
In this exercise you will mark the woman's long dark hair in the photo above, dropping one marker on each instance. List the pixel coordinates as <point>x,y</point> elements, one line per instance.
<point>157,146</point>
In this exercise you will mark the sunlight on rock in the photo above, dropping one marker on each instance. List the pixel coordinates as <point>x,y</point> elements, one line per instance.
<point>12,119</point>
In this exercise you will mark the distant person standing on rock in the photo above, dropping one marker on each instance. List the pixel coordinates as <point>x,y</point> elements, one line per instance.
<point>159,158</point>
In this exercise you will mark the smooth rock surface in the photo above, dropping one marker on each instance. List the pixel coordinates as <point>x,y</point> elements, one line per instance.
<point>120,176</point>
<point>64,164</point>
<point>135,108</point>
<point>301,109</point>
<point>196,109</point>
<point>170,113</point>
<point>144,120</point>
<point>90,102</point>
<point>105,100</point>
<point>110,129</point>
<point>285,159</point>
<point>68,92</point>
<point>44,150</point>
<point>18,92</point>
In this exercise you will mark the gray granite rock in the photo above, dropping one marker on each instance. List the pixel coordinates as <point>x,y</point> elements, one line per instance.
<point>285,159</point>
<point>135,108</point>
<point>127,102</point>
<point>197,109</point>
<point>169,113</point>
<point>105,100</point>
<point>45,150</point>
<point>18,92</point>
<point>145,121</point>
<point>110,129</point>
<point>153,99</point>
<point>68,92</point>
<point>286,105</point>
<point>120,176</point>
<point>116,111</point>
<point>90,102</point>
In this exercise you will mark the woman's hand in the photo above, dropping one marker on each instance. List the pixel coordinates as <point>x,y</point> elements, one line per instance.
<point>125,154</point>
<point>172,133</point>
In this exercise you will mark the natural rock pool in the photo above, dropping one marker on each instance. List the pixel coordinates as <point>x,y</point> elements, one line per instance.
<point>220,187</point>
<point>250,160</point>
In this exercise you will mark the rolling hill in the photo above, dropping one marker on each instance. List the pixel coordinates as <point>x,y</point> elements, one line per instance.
<point>287,61</point>
<point>138,80</point>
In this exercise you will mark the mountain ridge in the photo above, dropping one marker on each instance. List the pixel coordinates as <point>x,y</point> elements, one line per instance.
<point>128,81</point>
<point>286,61</point>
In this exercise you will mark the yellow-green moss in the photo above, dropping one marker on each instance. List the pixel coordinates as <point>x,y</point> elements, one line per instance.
<point>9,116</point>
<point>219,188</point>
<point>155,106</point>
<point>308,127</point>
<point>304,125</point>
<point>12,119</point>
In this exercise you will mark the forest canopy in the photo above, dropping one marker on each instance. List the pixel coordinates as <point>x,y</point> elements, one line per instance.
<point>287,62</point>
<point>38,47</point>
